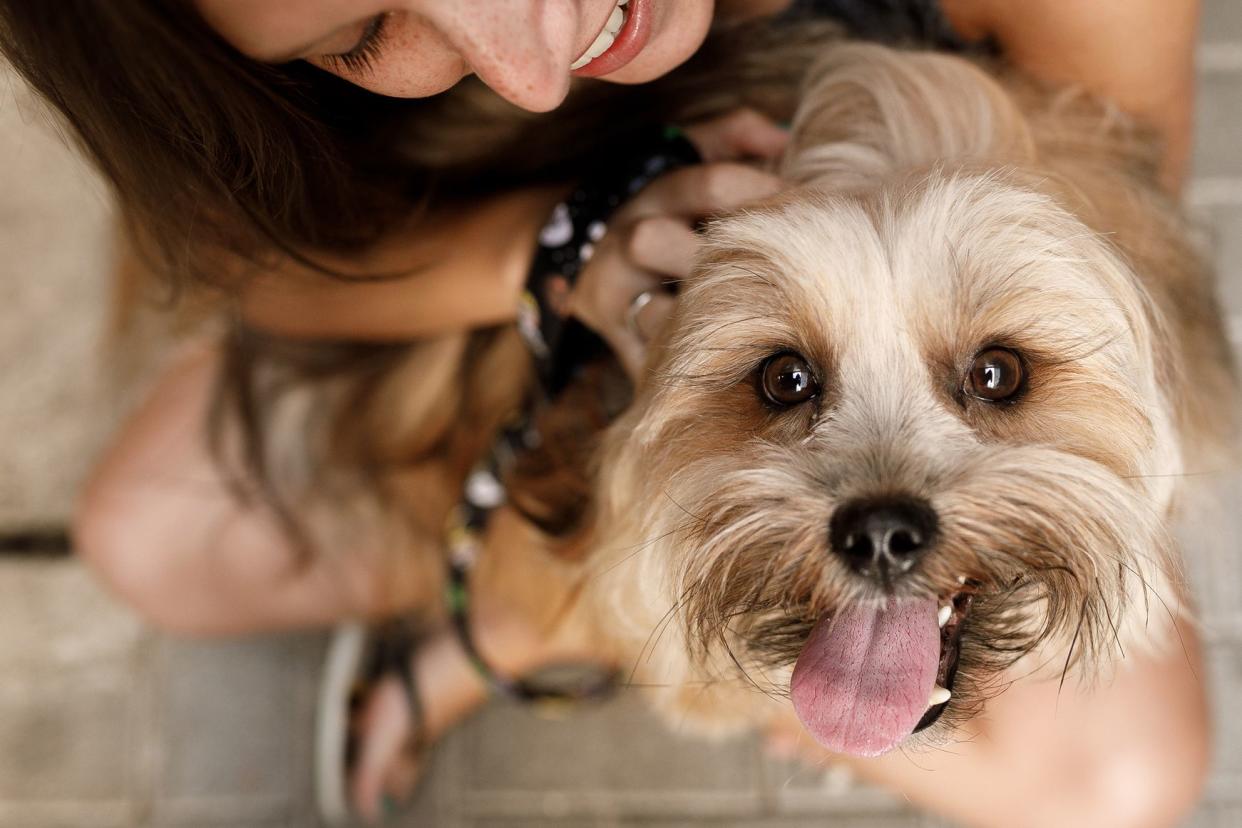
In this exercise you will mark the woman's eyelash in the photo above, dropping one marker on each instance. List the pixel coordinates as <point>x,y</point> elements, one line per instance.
<point>360,58</point>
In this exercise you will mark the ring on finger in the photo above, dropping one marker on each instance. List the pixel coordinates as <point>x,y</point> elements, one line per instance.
<point>637,304</point>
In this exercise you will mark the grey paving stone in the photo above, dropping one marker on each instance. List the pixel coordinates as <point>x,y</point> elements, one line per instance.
<point>842,820</point>
<point>611,761</point>
<point>799,788</point>
<point>70,814</point>
<point>1221,20</point>
<point>1224,664</point>
<point>1217,124</point>
<point>438,799</point>
<point>55,234</point>
<point>1226,815</point>
<point>1226,240</point>
<point>1216,815</point>
<point>67,735</point>
<point>54,614</point>
<point>1214,564</point>
<point>227,720</point>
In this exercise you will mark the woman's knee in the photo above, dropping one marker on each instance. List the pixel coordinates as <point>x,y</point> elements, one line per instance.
<point>1143,783</point>
<point>113,536</point>
<point>137,509</point>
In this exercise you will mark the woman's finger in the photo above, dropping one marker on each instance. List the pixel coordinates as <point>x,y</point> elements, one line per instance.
<point>704,190</point>
<point>631,352</point>
<point>644,323</point>
<point>743,133</point>
<point>664,245</point>
<point>650,321</point>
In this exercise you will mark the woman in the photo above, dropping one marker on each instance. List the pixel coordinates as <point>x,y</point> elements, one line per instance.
<point>243,153</point>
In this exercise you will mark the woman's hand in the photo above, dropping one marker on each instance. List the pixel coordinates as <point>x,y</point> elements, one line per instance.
<point>651,239</point>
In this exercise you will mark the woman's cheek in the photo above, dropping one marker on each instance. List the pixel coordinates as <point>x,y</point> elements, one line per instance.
<point>680,28</point>
<point>411,76</point>
<point>417,61</point>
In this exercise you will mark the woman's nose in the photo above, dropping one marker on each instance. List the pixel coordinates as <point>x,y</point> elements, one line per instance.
<point>522,49</point>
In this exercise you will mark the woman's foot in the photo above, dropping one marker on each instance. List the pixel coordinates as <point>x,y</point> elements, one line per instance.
<point>391,741</point>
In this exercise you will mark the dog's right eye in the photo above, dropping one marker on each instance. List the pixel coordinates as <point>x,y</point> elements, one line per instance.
<point>997,375</point>
<point>786,380</point>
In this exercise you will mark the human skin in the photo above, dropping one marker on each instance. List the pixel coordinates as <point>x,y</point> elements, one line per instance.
<point>1138,53</point>
<point>522,49</point>
<point>164,548</point>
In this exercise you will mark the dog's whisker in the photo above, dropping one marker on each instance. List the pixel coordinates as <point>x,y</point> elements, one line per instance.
<point>656,631</point>
<point>1180,475</point>
<point>668,618</point>
<point>636,549</point>
<point>1108,614</point>
<point>1173,618</point>
<point>737,663</point>
<point>1082,614</point>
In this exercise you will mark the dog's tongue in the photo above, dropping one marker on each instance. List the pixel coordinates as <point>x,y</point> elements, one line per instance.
<point>865,676</point>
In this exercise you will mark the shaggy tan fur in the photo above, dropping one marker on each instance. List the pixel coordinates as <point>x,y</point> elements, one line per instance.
<point>939,208</point>
<point>938,211</point>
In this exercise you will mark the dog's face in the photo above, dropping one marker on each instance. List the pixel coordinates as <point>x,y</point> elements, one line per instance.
<point>901,439</point>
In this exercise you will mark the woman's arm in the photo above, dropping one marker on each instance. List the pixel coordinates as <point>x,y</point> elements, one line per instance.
<point>1137,53</point>
<point>159,522</point>
<point>466,269</point>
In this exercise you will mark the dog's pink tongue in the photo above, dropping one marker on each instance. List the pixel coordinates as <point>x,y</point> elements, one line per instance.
<point>865,676</point>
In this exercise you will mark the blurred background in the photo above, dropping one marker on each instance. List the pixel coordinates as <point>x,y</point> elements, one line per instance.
<point>104,723</point>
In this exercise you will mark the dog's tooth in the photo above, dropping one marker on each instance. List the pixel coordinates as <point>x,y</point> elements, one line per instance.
<point>946,612</point>
<point>961,579</point>
<point>939,695</point>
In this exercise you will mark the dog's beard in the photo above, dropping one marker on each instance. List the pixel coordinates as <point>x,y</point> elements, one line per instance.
<point>1039,554</point>
<point>1051,548</point>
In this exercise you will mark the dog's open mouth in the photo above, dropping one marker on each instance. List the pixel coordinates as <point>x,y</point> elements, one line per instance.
<point>951,617</point>
<point>874,673</point>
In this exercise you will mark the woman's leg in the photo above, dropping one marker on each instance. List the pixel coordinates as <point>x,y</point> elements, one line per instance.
<point>159,525</point>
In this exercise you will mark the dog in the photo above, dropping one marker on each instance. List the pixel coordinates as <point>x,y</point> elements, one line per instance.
<point>920,425</point>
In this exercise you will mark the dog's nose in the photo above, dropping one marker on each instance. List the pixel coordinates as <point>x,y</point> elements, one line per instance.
<point>882,538</point>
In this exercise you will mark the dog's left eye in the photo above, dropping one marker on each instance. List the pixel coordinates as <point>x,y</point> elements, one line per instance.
<point>996,375</point>
<point>786,380</point>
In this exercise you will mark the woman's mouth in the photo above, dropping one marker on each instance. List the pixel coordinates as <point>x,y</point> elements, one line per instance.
<point>624,35</point>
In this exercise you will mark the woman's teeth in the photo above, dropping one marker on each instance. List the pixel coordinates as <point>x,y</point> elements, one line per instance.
<point>606,37</point>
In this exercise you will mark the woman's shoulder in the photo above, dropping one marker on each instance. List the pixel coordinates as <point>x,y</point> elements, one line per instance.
<point>911,22</point>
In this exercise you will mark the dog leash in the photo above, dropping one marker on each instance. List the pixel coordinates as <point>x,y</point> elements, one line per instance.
<point>558,346</point>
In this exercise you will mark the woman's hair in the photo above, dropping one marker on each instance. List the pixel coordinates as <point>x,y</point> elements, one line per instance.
<point>210,153</point>
<point>204,148</point>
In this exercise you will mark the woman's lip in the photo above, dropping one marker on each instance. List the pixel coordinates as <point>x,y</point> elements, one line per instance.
<point>630,41</point>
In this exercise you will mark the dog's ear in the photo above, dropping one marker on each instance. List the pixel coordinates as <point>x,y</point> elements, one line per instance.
<point>870,110</point>
<point>551,485</point>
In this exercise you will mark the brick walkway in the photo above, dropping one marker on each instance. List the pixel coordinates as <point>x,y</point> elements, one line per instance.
<point>105,724</point>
